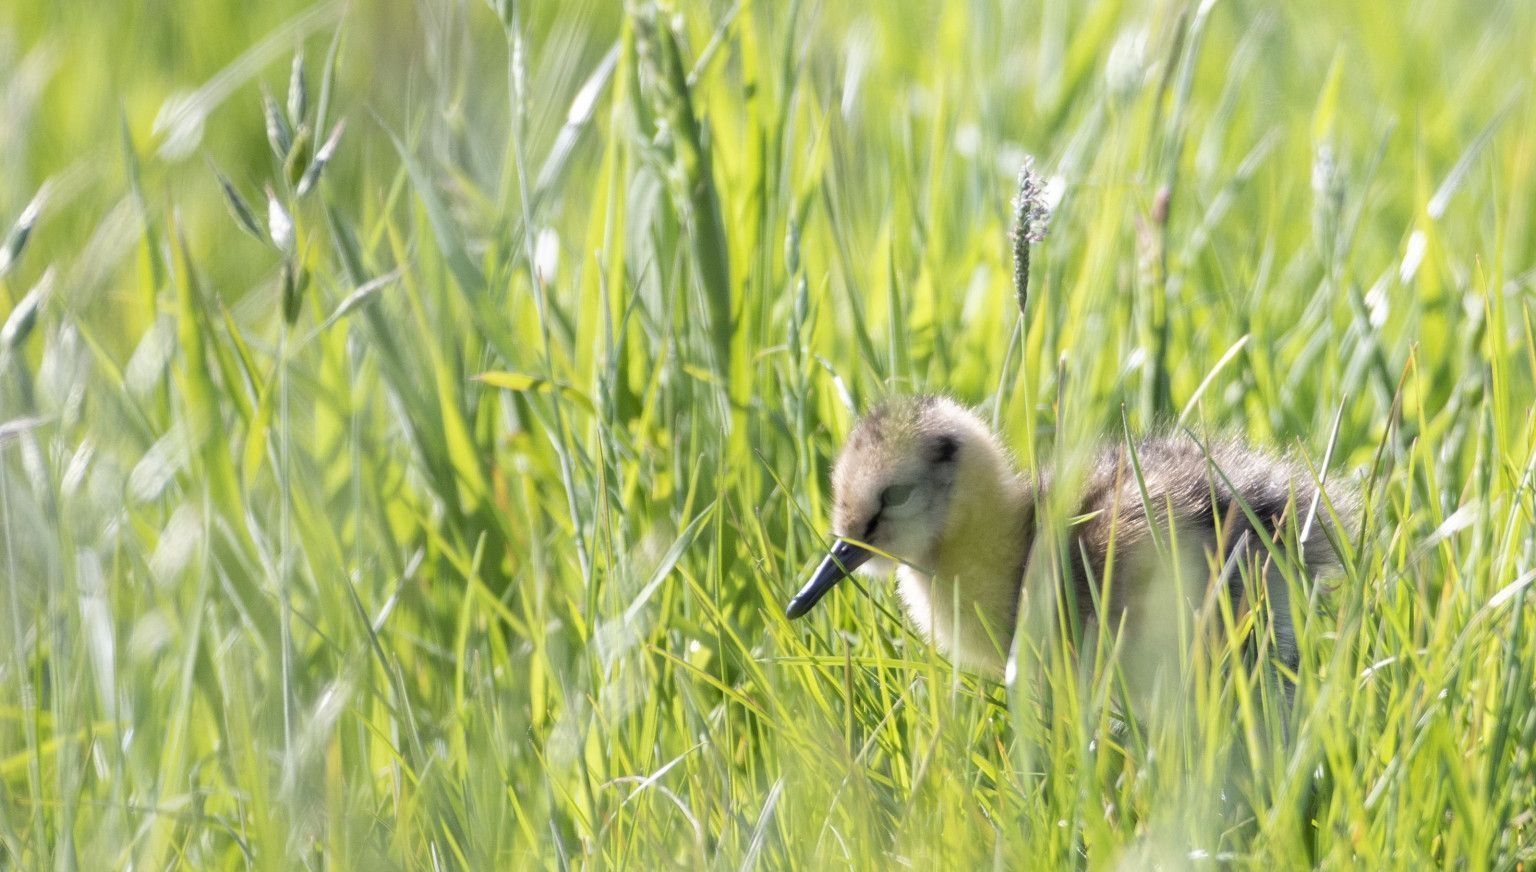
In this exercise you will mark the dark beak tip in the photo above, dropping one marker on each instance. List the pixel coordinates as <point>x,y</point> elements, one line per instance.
<point>843,559</point>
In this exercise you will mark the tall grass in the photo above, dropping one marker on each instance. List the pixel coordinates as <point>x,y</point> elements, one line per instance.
<point>437,508</point>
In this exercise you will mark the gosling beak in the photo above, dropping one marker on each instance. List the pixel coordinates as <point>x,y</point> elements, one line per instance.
<point>844,559</point>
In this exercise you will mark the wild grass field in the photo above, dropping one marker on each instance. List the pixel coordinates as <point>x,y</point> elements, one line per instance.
<point>435,504</point>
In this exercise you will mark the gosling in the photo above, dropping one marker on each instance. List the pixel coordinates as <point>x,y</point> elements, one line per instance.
<point>925,484</point>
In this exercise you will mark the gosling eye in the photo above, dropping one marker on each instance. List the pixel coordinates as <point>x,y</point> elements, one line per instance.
<point>897,495</point>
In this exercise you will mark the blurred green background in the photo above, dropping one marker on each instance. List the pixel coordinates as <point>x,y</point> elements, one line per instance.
<point>443,515</point>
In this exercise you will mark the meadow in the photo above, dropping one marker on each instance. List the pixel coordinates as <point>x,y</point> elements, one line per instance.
<point>414,418</point>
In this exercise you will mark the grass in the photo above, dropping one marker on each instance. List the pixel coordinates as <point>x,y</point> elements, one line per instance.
<point>454,528</point>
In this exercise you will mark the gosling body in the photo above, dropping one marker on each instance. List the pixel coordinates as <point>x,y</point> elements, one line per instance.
<point>924,486</point>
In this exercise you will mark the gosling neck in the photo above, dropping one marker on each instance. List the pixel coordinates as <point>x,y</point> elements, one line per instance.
<point>966,599</point>
<point>985,542</point>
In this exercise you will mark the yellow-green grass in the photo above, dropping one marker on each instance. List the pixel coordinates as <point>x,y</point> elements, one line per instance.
<point>477,559</point>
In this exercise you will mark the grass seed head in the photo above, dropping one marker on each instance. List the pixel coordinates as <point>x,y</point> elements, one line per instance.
<point>244,215</point>
<point>279,224</point>
<point>279,131</point>
<point>19,324</point>
<point>1031,218</point>
<point>322,158</point>
<point>298,91</point>
<point>16,240</point>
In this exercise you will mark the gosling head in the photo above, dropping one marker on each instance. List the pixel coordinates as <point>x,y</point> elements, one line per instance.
<point>894,487</point>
